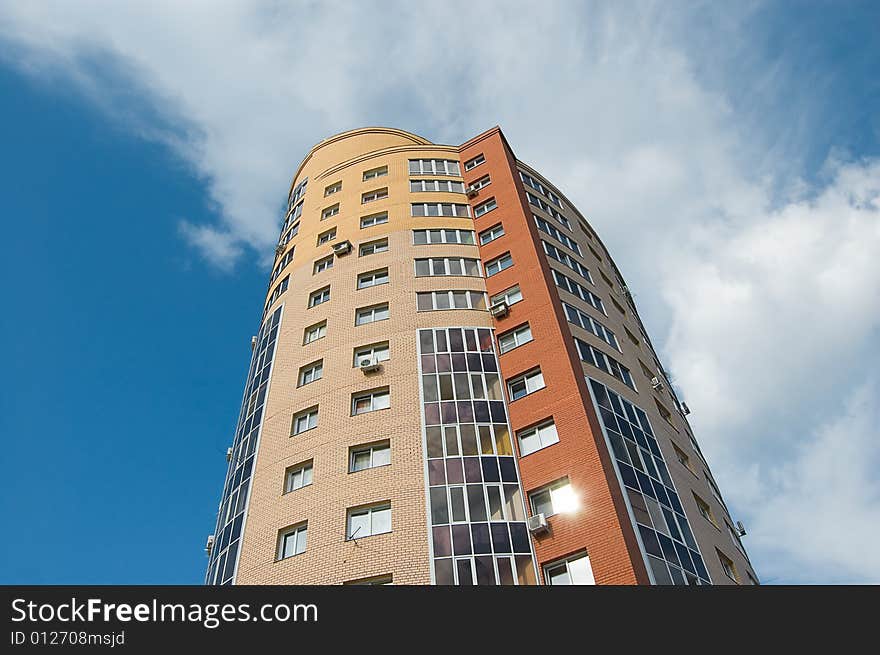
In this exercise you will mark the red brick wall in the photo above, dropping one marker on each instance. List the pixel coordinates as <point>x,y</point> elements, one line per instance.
<point>601,525</point>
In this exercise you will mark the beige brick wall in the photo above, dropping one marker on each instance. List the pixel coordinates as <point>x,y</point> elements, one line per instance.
<point>329,558</point>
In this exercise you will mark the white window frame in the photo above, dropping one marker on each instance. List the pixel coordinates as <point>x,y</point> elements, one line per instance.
<point>380,351</point>
<point>374,219</point>
<point>311,416</point>
<point>447,268</point>
<point>498,264</point>
<point>375,245</point>
<point>482,183</point>
<point>299,535</point>
<point>532,381</point>
<point>449,167</point>
<point>323,294</point>
<point>310,373</point>
<point>371,310</point>
<point>319,329</point>
<point>551,490</point>
<point>370,511</point>
<point>373,278</point>
<point>330,189</point>
<point>455,209</point>
<point>472,163</point>
<point>485,207</point>
<point>443,231</point>
<point>545,433</point>
<point>327,236</point>
<point>443,186</point>
<point>322,264</point>
<point>330,212</point>
<point>519,338</point>
<point>374,195</point>
<point>379,399</point>
<point>450,296</point>
<point>589,580</point>
<point>382,448</point>
<point>298,476</point>
<point>508,296</point>
<point>373,173</point>
<point>489,235</point>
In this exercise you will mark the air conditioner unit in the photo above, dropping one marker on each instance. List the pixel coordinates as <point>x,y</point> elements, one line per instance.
<point>538,524</point>
<point>253,342</point>
<point>209,545</point>
<point>342,248</point>
<point>367,364</point>
<point>685,409</point>
<point>472,193</point>
<point>741,529</point>
<point>229,454</point>
<point>499,309</point>
<point>656,385</point>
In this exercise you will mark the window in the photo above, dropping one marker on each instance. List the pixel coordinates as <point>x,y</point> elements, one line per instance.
<point>297,193</point>
<point>324,237</point>
<point>537,202</point>
<point>682,457</point>
<point>281,288</point>
<point>470,164</point>
<point>633,339</point>
<point>330,212</point>
<point>319,297</point>
<point>574,571</point>
<point>315,332</point>
<point>365,522</point>
<point>373,173</point>
<point>498,264</point>
<point>567,260</point>
<point>705,510</point>
<point>448,266</point>
<point>665,413</point>
<point>372,278</point>
<point>424,237</point>
<point>440,300</point>
<point>374,219</point>
<point>523,385</point>
<point>372,196</point>
<point>479,184</point>
<point>604,362</point>
<point>373,580</point>
<point>494,232</point>
<point>618,307</point>
<point>282,264</point>
<point>452,186</point>
<point>330,189</point>
<point>440,209</point>
<point>485,207</point>
<point>370,401</point>
<point>714,489</point>
<point>298,476</point>
<point>292,541</point>
<point>368,457</point>
<point>537,438</point>
<point>728,566</point>
<point>564,282</point>
<point>517,337</point>
<point>305,420</point>
<point>511,296</point>
<point>322,264</point>
<point>378,352</point>
<point>372,314</point>
<point>552,499</point>
<point>436,166</point>
<point>590,324</point>
<point>551,231</point>
<point>540,188</point>
<point>311,373</point>
<point>373,247</point>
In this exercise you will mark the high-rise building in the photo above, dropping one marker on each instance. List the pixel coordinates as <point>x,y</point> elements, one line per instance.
<point>451,385</point>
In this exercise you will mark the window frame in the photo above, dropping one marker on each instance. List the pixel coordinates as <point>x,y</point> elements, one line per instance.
<point>302,468</point>
<point>292,531</point>
<point>318,365</point>
<point>538,430</point>
<point>307,413</point>
<point>372,449</point>
<point>525,379</point>
<point>515,332</point>
<point>372,394</point>
<point>359,311</point>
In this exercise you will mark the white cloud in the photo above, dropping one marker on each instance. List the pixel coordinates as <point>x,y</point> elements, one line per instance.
<point>755,282</point>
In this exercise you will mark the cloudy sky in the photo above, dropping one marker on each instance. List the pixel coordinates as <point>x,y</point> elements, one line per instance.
<point>727,153</point>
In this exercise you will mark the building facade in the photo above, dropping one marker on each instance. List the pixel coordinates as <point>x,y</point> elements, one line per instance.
<point>451,385</point>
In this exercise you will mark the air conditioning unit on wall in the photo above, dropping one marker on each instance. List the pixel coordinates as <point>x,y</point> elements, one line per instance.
<point>656,384</point>
<point>368,364</point>
<point>342,248</point>
<point>499,310</point>
<point>472,193</point>
<point>538,524</point>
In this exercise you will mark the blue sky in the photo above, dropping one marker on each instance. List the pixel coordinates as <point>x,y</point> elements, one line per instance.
<point>728,156</point>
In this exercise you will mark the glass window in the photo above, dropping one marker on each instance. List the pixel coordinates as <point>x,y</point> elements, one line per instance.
<point>510,340</point>
<point>367,457</point>
<point>491,234</point>
<point>485,208</point>
<point>499,264</point>
<point>370,401</point>
<point>292,541</point>
<point>315,332</point>
<point>557,497</point>
<point>372,279</point>
<point>574,571</point>
<point>537,438</point>
<point>374,219</point>
<point>369,521</point>
<point>311,373</point>
<point>510,296</point>
<point>375,172</point>
<point>523,385</point>
<point>305,420</point>
<point>319,297</point>
<point>373,247</point>
<point>298,476</point>
<point>371,314</point>
<point>473,163</point>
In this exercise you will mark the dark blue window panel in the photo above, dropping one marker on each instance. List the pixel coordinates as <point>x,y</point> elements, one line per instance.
<point>629,475</point>
<point>685,558</point>
<point>500,538</point>
<point>508,469</point>
<point>481,411</point>
<point>668,548</point>
<point>461,540</point>
<point>649,538</point>
<point>519,536</point>
<point>645,485</point>
<point>700,566</point>
<point>497,411</point>
<point>673,526</point>
<point>673,501</point>
<point>480,537</point>
<point>601,394</point>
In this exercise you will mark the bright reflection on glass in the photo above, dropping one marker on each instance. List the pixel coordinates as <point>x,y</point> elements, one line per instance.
<point>565,501</point>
